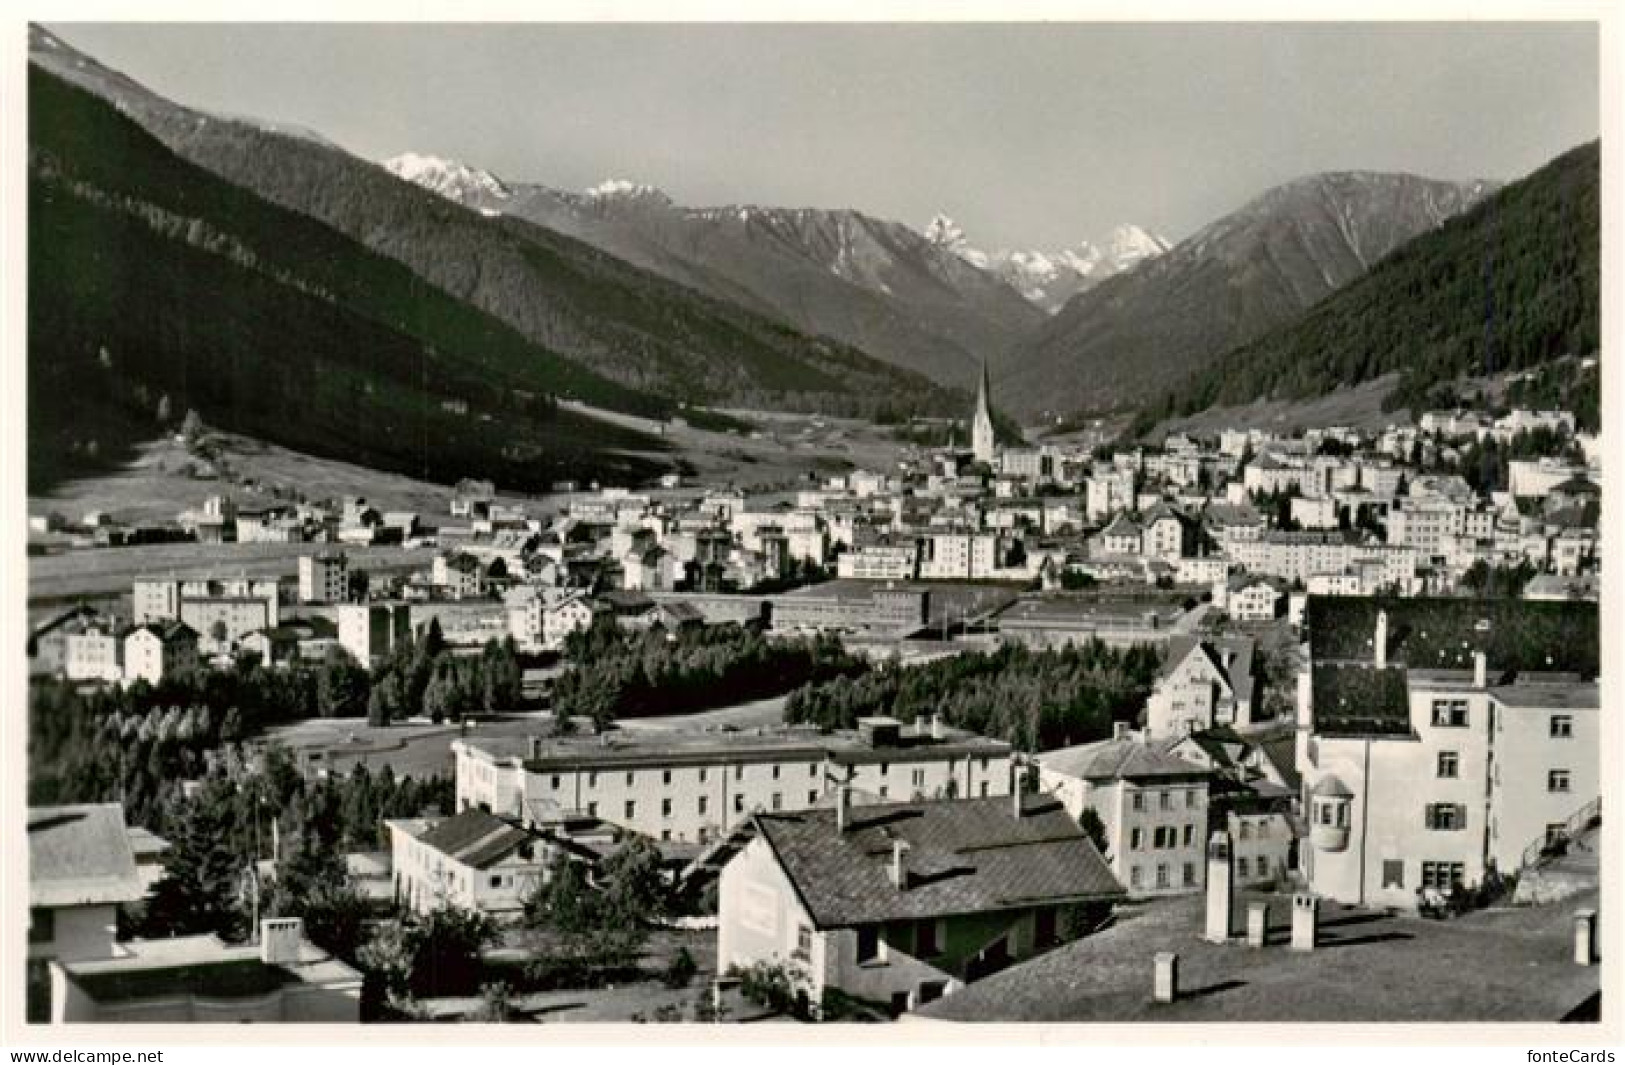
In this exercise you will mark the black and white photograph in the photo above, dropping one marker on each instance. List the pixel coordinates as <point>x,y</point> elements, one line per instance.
<point>686,523</point>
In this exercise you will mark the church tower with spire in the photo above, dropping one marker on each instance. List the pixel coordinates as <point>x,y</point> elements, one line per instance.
<point>981,427</point>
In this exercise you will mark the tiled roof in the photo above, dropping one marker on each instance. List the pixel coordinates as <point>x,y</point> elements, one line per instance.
<point>1119,759</point>
<point>1359,700</point>
<point>80,855</point>
<point>1123,525</point>
<point>475,838</point>
<point>963,856</point>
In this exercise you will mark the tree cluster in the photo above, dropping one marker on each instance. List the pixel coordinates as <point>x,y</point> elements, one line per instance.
<point>1036,700</point>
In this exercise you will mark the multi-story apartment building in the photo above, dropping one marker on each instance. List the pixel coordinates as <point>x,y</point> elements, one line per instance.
<point>95,651</point>
<point>1425,777</point>
<point>221,610</point>
<point>880,562</point>
<point>1154,807</point>
<point>696,788</point>
<point>372,632</point>
<point>324,577</point>
<point>158,650</point>
<point>959,556</point>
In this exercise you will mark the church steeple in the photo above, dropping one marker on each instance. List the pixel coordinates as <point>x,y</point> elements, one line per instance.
<point>982,440</point>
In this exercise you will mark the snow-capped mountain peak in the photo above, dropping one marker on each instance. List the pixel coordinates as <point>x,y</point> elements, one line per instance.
<point>455,181</point>
<point>622,190</point>
<point>1050,278</point>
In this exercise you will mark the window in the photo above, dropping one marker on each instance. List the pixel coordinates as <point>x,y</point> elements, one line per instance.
<point>1139,801</point>
<point>1562,727</point>
<point>1162,876</point>
<point>1189,870</point>
<point>812,769</point>
<point>702,776</point>
<point>739,804</point>
<point>1450,713</point>
<point>1190,799</point>
<point>592,809</point>
<point>778,800</point>
<point>775,772</point>
<point>868,944</point>
<point>1134,877</point>
<point>882,791</point>
<point>918,778</point>
<point>665,835</point>
<point>1262,830</point>
<point>739,772</point>
<point>41,924</point>
<point>496,881</point>
<point>1241,867</point>
<point>1442,875</point>
<point>702,805</point>
<point>803,942</point>
<point>1445,816</point>
<point>1449,764</point>
<point>592,780</point>
<point>1557,780</point>
<point>629,779</point>
<point>665,776</point>
<point>927,939</point>
<point>665,807</point>
<point>884,768</point>
<point>1190,835</point>
<point>1393,874</point>
<point>1245,830</point>
<point>812,798</point>
<point>1555,832</point>
<point>1135,838</point>
<point>555,782</point>
<point>1165,800</point>
<point>631,809</point>
<point>984,789</point>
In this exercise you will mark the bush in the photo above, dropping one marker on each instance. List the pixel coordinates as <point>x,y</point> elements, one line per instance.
<point>681,970</point>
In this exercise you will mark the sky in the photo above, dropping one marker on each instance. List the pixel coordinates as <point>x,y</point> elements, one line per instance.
<point>1030,136</point>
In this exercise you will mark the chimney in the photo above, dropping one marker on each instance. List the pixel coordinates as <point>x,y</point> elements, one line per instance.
<point>1379,645</point>
<point>1481,670</point>
<point>843,807</point>
<point>899,871</point>
<point>535,747</point>
<point>1018,786</point>
<point>1165,981</point>
<point>279,940</point>
<point>1220,889</point>
<point>936,726</point>
<point>1305,921</point>
<point>1258,923</point>
<point>1119,730</point>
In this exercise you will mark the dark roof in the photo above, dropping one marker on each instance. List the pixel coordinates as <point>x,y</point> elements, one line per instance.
<point>1282,754</point>
<point>79,855</point>
<point>475,838</point>
<point>237,978</point>
<point>1119,759</point>
<point>1515,634</point>
<point>1360,700</point>
<point>963,856</point>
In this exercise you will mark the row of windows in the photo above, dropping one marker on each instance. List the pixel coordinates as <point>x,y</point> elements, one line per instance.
<point>1437,875</point>
<point>1165,799</point>
<point>556,780</point>
<point>1136,875</point>
<point>1163,838</point>
<point>1452,713</point>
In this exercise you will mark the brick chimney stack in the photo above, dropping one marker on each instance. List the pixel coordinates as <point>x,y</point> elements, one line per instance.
<point>843,807</point>
<point>1481,670</point>
<point>899,870</point>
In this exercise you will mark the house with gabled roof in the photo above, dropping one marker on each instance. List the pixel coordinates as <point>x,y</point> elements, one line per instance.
<point>1200,685</point>
<point>1153,806</point>
<point>475,860</point>
<point>898,904</point>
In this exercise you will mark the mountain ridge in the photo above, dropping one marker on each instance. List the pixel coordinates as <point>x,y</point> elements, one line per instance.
<point>1125,340</point>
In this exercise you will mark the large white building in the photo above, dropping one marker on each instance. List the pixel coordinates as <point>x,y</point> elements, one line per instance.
<point>695,788</point>
<point>1422,776</point>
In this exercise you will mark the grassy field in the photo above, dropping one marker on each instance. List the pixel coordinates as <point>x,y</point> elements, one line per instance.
<point>1359,407</point>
